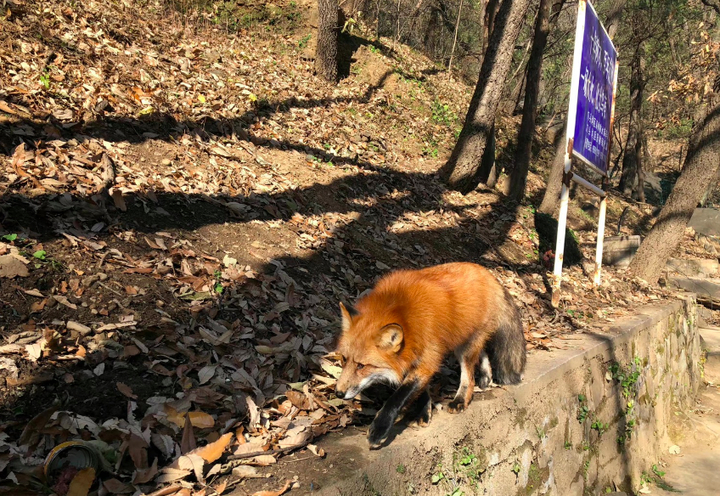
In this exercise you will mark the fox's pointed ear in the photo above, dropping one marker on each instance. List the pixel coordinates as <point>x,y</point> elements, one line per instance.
<point>390,338</point>
<point>347,315</point>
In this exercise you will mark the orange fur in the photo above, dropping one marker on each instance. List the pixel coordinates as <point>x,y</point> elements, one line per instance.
<point>448,308</point>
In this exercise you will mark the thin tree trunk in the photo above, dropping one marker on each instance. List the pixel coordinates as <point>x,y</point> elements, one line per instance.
<point>701,167</point>
<point>549,203</point>
<point>521,71</point>
<point>457,27</point>
<point>518,177</point>
<point>326,53</point>
<point>632,161</point>
<point>460,172</point>
<point>377,16</point>
<point>397,29</point>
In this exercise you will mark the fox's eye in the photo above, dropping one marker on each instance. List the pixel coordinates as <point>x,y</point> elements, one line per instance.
<point>360,366</point>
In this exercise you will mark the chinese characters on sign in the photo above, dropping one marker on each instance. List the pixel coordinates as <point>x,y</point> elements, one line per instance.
<point>591,139</point>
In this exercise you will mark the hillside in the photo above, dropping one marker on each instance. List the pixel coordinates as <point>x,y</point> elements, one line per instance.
<point>184,205</point>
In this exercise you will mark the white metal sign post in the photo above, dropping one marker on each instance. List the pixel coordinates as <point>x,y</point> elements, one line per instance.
<point>589,125</point>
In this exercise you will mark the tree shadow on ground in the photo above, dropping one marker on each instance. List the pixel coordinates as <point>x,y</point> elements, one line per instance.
<point>345,262</point>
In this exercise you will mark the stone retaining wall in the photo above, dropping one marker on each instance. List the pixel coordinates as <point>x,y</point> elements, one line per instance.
<point>586,418</point>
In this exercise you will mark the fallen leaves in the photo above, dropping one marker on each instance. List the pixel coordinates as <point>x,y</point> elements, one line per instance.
<point>13,266</point>
<point>240,351</point>
<point>80,485</point>
<point>274,493</point>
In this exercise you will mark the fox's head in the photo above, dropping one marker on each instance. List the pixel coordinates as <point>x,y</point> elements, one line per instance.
<point>369,348</point>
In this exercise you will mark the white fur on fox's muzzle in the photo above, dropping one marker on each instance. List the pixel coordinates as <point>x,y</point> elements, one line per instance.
<point>385,376</point>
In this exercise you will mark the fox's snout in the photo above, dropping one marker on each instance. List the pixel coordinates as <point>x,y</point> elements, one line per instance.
<point>339,392</point>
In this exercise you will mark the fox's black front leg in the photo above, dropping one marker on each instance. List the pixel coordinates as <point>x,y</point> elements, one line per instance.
<point>385,419</point>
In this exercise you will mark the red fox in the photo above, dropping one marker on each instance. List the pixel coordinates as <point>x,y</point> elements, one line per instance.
<point>401,332</point>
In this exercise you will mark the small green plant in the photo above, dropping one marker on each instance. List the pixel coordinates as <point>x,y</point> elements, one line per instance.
<point>657,471</point>
<point>45,80</point>
<point>583,411</point>
<point>10,237</point>
<point>373,49</point>
<point>540,431</point>
<point>441,113</point>
<point>627,378</point>
<point>304,41</point>
<point>40,255</point>
<point>568,445</point>
<point>400,469</point>
<point>600,427</point>
<point>516,467</point>
<point>436,478</point>
<point>432,152</point>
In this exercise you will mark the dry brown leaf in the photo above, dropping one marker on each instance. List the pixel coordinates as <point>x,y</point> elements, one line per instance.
<point>263,460</point>
<point>31,432</point>
<point>137,447</point>
<point>274,493</point>
<point>201,420</point>
<point>187,443</point>
<point>298,399</point>
<point>213,451</point>
<point>170,474</point>
<point>190,462</point>
<point>220,488</point>
<point>80,485</point>
<point>34,351</point>
<point>118,200</point>
<point>38,306</point>
<point>126,390</point>
<point>11,266</point>
<point>143,476</point>
<point>114,486</point>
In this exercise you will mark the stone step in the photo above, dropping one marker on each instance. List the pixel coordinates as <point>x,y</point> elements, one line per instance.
<point>711,343</point>
<point>694,267</point>
<point>705,289</point>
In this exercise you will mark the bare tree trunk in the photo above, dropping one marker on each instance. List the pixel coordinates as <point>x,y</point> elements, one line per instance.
<point>457,27</point>
<point>518,177</point>
<point>377,16</point>
<point>641,165</point>
<point>460,171</point>
<point>549,203</point>
<point>326,54</point>
<point>397,28</point>
<point>521,71</point>
<point>701,167</point>
<point>632,161</point>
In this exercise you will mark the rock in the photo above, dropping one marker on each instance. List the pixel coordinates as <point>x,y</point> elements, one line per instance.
<point>619,250</point>
<point>693,267</point>
<point>706,221</point>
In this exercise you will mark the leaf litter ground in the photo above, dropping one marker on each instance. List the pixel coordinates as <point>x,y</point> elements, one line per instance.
<point>182,211</point>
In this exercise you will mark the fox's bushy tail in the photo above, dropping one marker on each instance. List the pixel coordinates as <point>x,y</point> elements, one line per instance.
<point>506,349</point>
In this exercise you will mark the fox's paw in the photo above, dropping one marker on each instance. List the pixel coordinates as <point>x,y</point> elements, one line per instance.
<point>484,381</point>
<point>457,405</point>
<point>379,432</point>
<point>423,418</point>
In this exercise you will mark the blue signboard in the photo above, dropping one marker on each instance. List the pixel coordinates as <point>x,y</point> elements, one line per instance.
<point>594,86</point>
